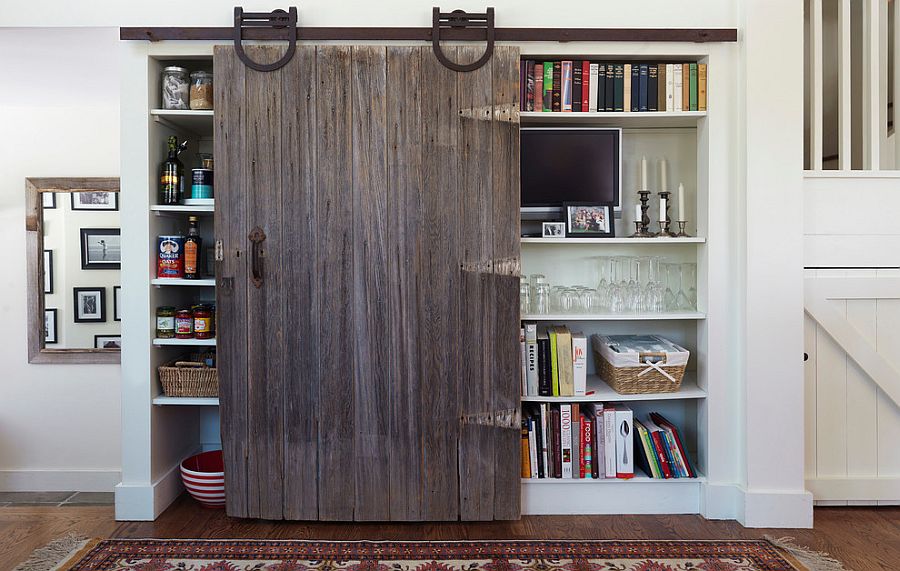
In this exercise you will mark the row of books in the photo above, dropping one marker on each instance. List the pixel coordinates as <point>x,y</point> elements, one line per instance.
<point>596,440</point>
<point>584,86</point>
<point>554,362</point>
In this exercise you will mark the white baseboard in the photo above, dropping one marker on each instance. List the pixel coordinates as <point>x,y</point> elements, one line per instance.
<point>141,502</point>
<point>722,501</point>
<point>59,480</point>
<point>785,509</point>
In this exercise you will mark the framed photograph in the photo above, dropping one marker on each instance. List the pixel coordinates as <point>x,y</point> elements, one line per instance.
<point>48,200</point>
<point>108,342</point>
<point>90,304</point>
<point>95,200</point>
<point>553,230</point>
<point>48,271</point>
<point>50,330</point>
<point>117,292</point>
<point>589,220</point>
<point>101,249</point>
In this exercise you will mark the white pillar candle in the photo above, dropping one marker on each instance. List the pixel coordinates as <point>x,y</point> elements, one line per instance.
<point>637,213</point>
<point>663,183</point>
<point>681,217</point>
<point>662,209</point>
<point>643,173</point>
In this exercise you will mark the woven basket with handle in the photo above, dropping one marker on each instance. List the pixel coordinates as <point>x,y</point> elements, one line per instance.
<point>639,380</point>
<point>188,379</point>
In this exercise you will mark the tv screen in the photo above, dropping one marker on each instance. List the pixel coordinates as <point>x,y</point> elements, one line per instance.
<point>569,165</point>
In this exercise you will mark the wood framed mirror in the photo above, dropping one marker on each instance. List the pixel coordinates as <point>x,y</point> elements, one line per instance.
<point>74,257</point>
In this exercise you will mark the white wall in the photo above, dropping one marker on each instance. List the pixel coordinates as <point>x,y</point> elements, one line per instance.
<point>59,424</point>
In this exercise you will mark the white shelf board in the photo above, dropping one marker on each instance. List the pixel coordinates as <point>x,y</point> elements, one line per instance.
<point>205,282</point>
<point>639,478</point>
<point>623,240</point>
<point>687,315</point>
<point>184,342</point>
<point>186,401</point>
<point>614,118</point>
<point>605,393</point>
<point>181,209</point>
<point>196,122</point>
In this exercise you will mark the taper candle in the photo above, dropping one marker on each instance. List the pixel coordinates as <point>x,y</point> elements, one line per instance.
<point>681,217</point>
<point>638,215</point>
<point>662,209</point>
<point>644,173</point>
<point>663,183</point>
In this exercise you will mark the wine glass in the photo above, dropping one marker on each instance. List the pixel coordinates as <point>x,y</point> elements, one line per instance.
<point>616,291</point>
<point>682,303</point>
<point>673,283</point>
<point>689,277</point>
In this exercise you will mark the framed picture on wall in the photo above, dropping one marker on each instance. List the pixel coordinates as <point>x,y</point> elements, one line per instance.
<point>50,330</point>
<point>117,291</point>
<point>589,220</point>
<point>48,200</point>
<point>90,304</point>
<point>108,342</point>
<point>48,271</point>
<point>95,200</point>
<point>101,248</point>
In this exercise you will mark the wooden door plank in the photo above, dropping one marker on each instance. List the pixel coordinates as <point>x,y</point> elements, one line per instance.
<point>888,412</point>
<point>231,272</point>
<point>831,397</point>
<point>301,286</point>
<point>810,328</point>
<point>505,220</point>
<point>862,423</point>
<point>405,239</point>
<point>265,304</point>
<point>374,340</point>
<point>337,495</point>
<point>437,266</point>
<point>476,296</point>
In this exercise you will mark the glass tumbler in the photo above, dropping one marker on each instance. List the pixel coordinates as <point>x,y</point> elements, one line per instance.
<point>524,297</point>
<point>541,303</point>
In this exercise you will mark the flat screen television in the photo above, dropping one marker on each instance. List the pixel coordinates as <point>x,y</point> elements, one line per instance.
<point>568,165</point>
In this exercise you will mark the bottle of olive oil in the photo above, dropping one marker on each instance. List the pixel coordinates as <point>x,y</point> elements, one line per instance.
<point>171,174</point>
<point>192,248</point>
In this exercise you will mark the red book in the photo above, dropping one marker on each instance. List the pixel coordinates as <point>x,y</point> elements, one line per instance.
<point>658,445</point>
<point>661,421</point>
<point>585,86</point>
<point>557,445</point>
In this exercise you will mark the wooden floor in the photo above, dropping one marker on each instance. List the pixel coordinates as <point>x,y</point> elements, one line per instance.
<point>862,538</point>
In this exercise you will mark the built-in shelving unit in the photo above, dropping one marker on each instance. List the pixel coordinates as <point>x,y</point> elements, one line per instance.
<point>184,342</point>
<point>185,401</point>
<point>203,282</point>
<point>606,241</point>
<point>639,478</point>
<point>198,123</point>
<point>178,210</point>
<point>614,118</point>
<point>598,391</point>
<point>688,315</point>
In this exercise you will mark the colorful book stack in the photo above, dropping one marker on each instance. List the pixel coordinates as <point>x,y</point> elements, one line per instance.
<point>581,86</point>
<point>599,441</point>
<point>554,361</point>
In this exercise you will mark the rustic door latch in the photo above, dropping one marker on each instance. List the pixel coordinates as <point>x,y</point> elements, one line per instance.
<point>257,236</point>
<point>276,20</point>
<point>461,19</point>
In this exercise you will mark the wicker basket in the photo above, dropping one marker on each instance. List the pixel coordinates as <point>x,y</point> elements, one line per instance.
<point>182,378</point>
<point>632,378</point>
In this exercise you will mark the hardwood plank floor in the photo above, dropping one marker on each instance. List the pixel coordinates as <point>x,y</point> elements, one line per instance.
<point>862,538</point>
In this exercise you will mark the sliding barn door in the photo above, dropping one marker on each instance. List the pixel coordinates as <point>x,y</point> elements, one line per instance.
<point>367,200</point>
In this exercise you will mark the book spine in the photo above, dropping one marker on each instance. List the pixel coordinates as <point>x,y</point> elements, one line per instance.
<point>529,85</point>
<point>609,441</point>
<point>532,447</point>
<point>624,443</point>
<point>522,79</point>
<point>564,358</point>
<point>577,83</point>
<point>566,86</point>
<point>524,362</point>
<point>538,87</point>
<point>545,375</point>
<point>644,94</point>
<point>526,454</point>
<point>670,87</point>
<point>628,95</point>
<point>554,364</point>
<point>701,87</point>
<point>556,442</point>
<point>677,86</point>
<point>545,441</point>
<point>531,348</point>
<point>661,87</point>
<point>676,454</point>
<point>565,435</point>
<point>579,364</point>
<point>557,89</point>
<point>576,437</point>
<point>693,87</point>
<point>596,89</point>
<point>586,86</point>
<point>642,459</point>
<point>660,451</point>
<point>686,87</point>
<point>598,455</point>
<point>613,93</point>
<point>635,87</point>
<point>587,447</point>
<point>653,87</point>
<point>548,86</point>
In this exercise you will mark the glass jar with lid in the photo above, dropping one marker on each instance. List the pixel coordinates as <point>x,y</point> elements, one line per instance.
<point>201,90</point>
<point>175,84</point>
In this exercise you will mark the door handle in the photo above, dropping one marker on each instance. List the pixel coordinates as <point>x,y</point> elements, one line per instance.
<point>257,236</point>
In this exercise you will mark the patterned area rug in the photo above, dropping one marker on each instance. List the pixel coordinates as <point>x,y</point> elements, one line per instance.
<point>253,555</point>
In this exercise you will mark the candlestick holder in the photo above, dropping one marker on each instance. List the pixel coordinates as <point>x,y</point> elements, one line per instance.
<point>645,215</point>
<point>639,231</point>
<point>664,216</point>
<point>681,233</point>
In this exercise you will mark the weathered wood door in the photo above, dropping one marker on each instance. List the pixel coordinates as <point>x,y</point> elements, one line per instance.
<point>367,200</point>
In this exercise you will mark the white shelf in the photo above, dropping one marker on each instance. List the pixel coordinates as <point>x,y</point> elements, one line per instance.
<point>688,315</point>
<point>181,209</point>
<point>605,393</point>
<point>186,401</point>
<point>566,241</point>
<point>614,118</point>
<point>196,122</point>
<point>205,282</point>
<point>639,477</point>
<point>185,342</point>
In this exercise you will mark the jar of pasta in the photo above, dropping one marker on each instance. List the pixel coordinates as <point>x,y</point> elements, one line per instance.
<point>201,90</point>
<point>175,88</point>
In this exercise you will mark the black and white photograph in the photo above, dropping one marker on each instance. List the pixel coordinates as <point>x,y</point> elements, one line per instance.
<point>48,200</point>
<point>108,342</point>
<point>95,200</point>
<point>48,271</point>
<point>117,293</point>
<point>50,330</point>
<point>101,249</point>
<point>553,230</point>
<point>90,304</point>
<point>589,220</point>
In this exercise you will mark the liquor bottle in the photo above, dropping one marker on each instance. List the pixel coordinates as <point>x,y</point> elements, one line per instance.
<point>171,174</point>
<point>192,248</point>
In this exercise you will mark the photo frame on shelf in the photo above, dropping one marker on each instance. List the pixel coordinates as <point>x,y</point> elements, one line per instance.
<point>117,292</point>
<point>48,271</point>
<point>94,200</point>
<point>590,219</point>
<point>50,328</point>
<point>553,230</point>
<point>108,342</point>
<point>90,304</point>
<point>48,200</point>
<point>101,249</point>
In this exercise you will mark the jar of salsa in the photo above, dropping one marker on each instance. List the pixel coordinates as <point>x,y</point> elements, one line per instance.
<point>203,322</point>
<point>165,322</point>
<point>184,324</point>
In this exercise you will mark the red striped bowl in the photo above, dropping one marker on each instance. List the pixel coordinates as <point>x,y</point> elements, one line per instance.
<point>204,478</point>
